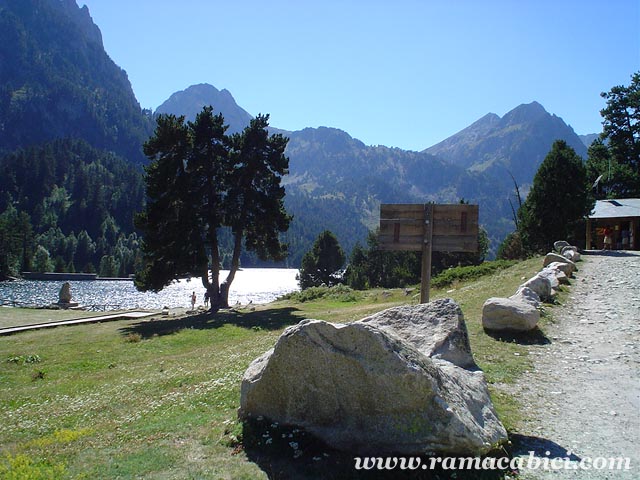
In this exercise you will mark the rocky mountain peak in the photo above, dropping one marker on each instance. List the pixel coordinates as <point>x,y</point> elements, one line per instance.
<point>189,102</point>
<point>81,17</point>
<point>525,113</point>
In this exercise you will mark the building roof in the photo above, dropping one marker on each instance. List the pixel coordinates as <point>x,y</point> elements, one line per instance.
<point>618,208</point>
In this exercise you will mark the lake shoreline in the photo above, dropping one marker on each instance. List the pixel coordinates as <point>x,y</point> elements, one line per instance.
<point>55,276</point>
<point>256,286</point>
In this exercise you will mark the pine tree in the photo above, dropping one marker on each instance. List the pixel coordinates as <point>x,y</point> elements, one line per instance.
<point>254,204</point>
<point>621,126</point>
<point>371,267</point>
<point>320,264</point>
<point>614,159</point>
<point>559,199</point>
<point>42,260</point>
<point>16,242</point>
<point>201,180</point>
<point>167,224</point>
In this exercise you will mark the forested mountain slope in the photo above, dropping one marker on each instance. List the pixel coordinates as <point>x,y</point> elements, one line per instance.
<point>57,81</point>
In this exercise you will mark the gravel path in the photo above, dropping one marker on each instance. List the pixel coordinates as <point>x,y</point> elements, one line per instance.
<point>584,393</point>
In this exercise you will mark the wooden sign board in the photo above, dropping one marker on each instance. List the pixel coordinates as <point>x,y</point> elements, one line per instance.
<point>428,228</point>
<point>402,227</point>
<point>454,227</point>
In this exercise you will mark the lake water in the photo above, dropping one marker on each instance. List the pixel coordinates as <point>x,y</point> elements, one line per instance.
<point>258,285</point>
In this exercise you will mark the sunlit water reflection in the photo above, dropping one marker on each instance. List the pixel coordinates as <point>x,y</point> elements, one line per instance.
<point>257,285</point>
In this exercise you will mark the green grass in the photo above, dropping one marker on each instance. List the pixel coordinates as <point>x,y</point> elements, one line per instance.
<point>158,398</point>
<point>15,317</point>
<point>455,275</point>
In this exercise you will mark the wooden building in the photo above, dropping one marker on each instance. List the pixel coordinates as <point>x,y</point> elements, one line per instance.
<point>622,216</point>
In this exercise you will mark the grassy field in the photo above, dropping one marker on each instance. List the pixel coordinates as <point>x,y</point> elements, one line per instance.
<point>14,317</point>
<point>158,398</point>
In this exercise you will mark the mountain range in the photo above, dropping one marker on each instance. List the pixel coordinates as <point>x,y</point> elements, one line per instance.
<point>57,81</point>
<point>517,142</point>
<point>332,171</point>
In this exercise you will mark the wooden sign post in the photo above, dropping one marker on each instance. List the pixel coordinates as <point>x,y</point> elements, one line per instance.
<point>428,228</point>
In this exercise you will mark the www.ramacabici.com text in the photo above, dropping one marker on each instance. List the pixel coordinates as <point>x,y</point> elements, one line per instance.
<point>530,462</point>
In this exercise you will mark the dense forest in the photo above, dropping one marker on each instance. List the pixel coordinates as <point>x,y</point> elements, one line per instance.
<point>312,215</point>
<point>66,206</point>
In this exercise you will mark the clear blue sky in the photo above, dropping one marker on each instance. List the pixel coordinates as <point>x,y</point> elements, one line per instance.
<point>402,73</point>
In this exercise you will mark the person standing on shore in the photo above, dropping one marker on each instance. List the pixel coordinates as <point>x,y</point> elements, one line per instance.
<point>193,300</point>
<point>608,241</point>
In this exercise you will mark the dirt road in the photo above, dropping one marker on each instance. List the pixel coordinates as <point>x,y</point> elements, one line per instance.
<point>584,393</point>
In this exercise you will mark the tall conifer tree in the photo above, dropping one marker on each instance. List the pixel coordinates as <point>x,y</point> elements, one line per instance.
<point>320,263</point>
<point>615,158</point>
<point>201,180</point>
<point>558,200</point>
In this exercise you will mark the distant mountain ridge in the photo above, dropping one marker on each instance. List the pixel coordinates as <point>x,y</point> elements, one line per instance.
<point>589,138</point>
<point>189,102</point>
<point>344,181</point>
<point>336,182</point>
<point>517,142</point>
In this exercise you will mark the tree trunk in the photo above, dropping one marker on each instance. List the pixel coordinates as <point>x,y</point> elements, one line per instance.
<point>213,284</point>
<point>224,295</point>
<point>219,292</point>
<point>218,299</point>
<point>235,263</point>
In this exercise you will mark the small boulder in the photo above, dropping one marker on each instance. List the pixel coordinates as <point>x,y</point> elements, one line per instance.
<point>506,314</point>
<point>559,245</point>
<point>571,253</point>
<point>65,293</point>
<point>560,270</point>
<point>554,257</point>
<point>526,295</point>
<point>563,267</point>
<point>390,383</point>
<point>541,285</point>
<point>552,276</point>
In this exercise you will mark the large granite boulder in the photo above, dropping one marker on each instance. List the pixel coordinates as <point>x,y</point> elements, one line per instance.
<point>401,381</point>
<point>507,314</point>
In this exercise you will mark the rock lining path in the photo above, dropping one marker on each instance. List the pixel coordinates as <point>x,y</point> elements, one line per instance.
<point>584,393</point>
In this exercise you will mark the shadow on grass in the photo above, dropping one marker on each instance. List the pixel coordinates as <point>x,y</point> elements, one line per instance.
<point>270,319</point>
<point>533,337</point>
<point>523,445</point>
<point>288,453</point>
